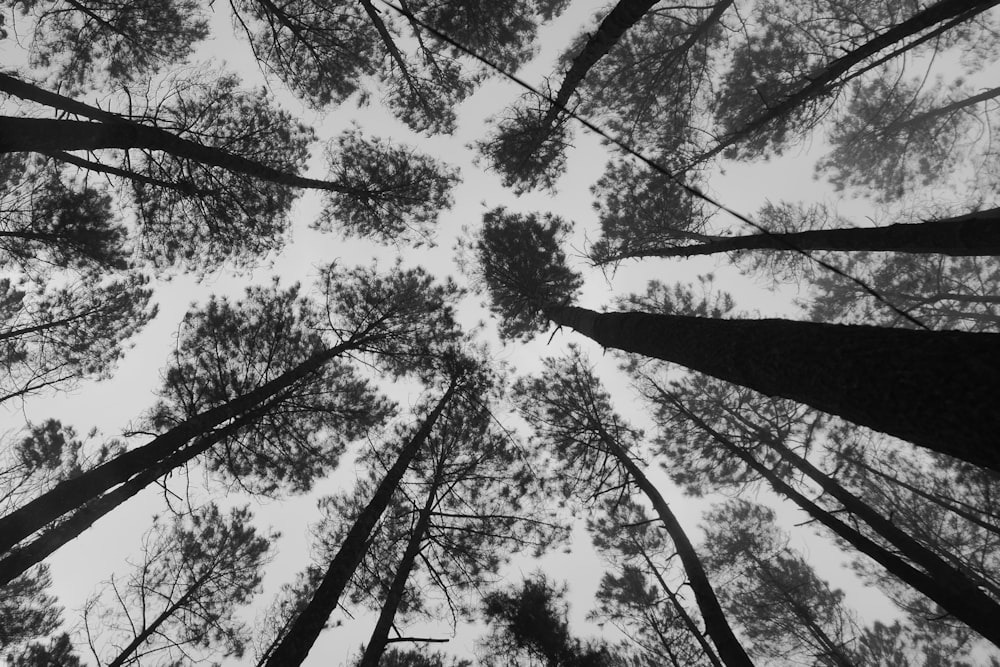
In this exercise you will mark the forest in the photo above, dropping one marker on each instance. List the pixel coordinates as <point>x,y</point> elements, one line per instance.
<point>447,333</point>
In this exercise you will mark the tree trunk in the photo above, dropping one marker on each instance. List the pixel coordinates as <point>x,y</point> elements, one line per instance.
<point>968,235</point>
<point>937,389</point>
<point>716,625</point>
<point>47,135</point>
<point>21,559</point>
<point>150,629</point>
<point>681,611</point>
<point>977,611</point>
<point>972,100</point>
<point>380,636</point>
<point>820,82</point>
<point>72,493</point>
<point>292,649</point>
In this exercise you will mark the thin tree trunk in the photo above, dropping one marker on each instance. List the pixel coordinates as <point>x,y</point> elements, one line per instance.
<point>47,135</point>
<point>150,629</point>
<point>682,612</point>
<point>380,635</point>
<point>977,611</point>
<point>946,503</point>
<point>821,82</point>
<point>937,389</point>
<point>716,625</point>
<point>941,111</point>
<point>963,236</point>
<point>292,649</point>
<point>45,326</point>
<point>72,493</point>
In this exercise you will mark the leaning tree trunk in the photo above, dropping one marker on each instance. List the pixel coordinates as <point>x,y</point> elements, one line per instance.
<point>24,557</point>
<point>292,649</point>
<point>971,606</point>
<point>69,494</point>
<point>730,650</point>
<point>380,635</point>
<point>937,389</point>
<point>967,235</point>
<point>821,82</point>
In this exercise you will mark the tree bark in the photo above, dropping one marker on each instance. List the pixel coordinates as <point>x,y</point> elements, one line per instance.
<point>292,649</point>
<point>820,82</point>
<point>967,235</point>
<point>730,650</point>
<point>936,389</point>
<point>977,610</point>
<point>380,635</point>
<point>72,493</point>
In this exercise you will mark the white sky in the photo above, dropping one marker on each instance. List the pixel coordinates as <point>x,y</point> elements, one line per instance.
<point>112,404</point>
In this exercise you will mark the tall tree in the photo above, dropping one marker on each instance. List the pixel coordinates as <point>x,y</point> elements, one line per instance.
<point>58,651</point>
<point>213,169</point>
<point>27,611</point>
<point>892,380</point>
<point>298,634</point>
<point>282,352</point>
<point>181,600</point>
<point>572,414</point>
<point>783,607</point>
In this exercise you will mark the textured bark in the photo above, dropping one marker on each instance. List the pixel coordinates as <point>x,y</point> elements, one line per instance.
<point>968,235</point>
<point>72,493</point>
<point>970,606</point>
<point>936,389</point>
<point>292,649</point>
<point>716,626</point>
<point>820,82</point>
<point>47,135</point>
<point>380,635</point>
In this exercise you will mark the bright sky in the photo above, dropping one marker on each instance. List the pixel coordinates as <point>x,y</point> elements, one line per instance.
<point>110,405</point>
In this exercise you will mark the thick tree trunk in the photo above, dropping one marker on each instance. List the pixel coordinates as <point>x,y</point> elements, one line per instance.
<point>968,235</point>
<point>48,135</point>
<point>292,649</point>
<point>973,608</point>
<point>380,635</point>
<point>72,493</point>
<point>730,650</point>
<point>936,389</point>
<point>820,82</point>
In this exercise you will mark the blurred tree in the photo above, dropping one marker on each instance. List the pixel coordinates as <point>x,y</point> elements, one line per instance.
<point>529,624</point>
<point>58,652</point>
<point>180,602</point>
<point>82,42</point>
<point>27,611</point>
<point>786,611</point>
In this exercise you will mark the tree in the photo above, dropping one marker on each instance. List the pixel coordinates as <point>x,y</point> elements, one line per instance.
<point>181,600</point>
<point>300,633</point>
<point>58,651</point>
<point>84,40</point>
<point>398,320</point>
<point>892,380</point>
<point>54,337</point>
<point>971,234</point>
<point>531,622</point>
<point>467,502</point>
<point>216,168</point>
<point>27,611</point>
<point>649,612</point>
<point>784,608</point>
<point>572,414</point>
